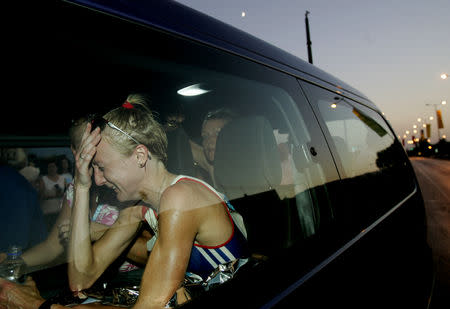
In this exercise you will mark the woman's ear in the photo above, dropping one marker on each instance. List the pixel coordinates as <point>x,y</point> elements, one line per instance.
<point>142,155</point>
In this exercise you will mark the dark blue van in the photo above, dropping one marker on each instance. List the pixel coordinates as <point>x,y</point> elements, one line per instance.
<point>331,205</point>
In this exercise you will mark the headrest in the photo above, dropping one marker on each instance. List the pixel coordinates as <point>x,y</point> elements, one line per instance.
<point>247,160</point>
<point>179,154</point>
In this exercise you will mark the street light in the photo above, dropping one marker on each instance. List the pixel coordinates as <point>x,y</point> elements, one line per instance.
<point>438,115</point>
<point>444,75</point>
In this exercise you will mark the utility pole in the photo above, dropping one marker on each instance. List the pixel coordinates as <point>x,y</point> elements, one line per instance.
<point>308,38</point>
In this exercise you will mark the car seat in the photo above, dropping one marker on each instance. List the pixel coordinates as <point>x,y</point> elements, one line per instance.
<point>247,160</point>
<point>179,153</point>
<point>247,169</point>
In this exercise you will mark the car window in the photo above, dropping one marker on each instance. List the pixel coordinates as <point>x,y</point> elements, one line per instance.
<point>26,185</point>
<point>244,128</point>
<point>268,151</point>
<point>372,164</point>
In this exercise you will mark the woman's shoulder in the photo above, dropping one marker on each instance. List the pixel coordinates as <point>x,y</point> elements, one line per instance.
<point>178,190</point>
<point>188,193</point>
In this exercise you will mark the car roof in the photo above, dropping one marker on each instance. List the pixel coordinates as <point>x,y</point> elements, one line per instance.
<point>182,20</point>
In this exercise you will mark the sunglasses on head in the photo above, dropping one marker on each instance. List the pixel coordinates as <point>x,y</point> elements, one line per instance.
<point>100,122</point>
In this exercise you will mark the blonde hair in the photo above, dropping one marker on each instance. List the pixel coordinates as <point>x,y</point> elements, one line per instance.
<point>136,119</point>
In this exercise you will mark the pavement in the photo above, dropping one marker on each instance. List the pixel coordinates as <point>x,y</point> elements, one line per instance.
<point>433,176</point>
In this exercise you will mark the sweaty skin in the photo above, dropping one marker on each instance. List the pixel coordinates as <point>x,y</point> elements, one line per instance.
<point>187,211</point>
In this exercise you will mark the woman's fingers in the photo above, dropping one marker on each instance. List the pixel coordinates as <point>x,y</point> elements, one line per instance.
<point>89,145</point>
<point>85,154</point>
<point>87,132</point>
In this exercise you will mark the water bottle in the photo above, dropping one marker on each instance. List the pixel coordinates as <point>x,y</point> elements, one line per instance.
<point>12,268</point>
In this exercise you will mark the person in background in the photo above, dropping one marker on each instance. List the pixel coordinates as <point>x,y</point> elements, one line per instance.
<point>32,159</point>
<point>52,187</point>
<point>66,169</point>
<point>174,118</point>
<point>204,154</point>
<point>21,219</point>
<point>31,173</point>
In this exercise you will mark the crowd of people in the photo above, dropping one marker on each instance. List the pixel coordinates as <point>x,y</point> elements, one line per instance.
<point>171,228</point>
<point>45,178</point>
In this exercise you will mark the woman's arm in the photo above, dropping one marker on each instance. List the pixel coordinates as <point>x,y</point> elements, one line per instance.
<point>89,261</point>
<point>169,258</point>
<point>97,230</point>
<point>48,250</point>
<point>138,253</point>
<point>80,249</point>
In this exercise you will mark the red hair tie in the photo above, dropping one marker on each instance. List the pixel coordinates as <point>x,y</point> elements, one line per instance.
<point>127,105</point>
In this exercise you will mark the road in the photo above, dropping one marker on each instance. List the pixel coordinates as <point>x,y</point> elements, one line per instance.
<point>434,180</point>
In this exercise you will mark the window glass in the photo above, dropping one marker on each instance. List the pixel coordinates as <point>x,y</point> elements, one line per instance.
<point>357,136</point>
<point>242,127</point>
<point>37,179</point>
<point>245,129</point>
<point>372,164</point>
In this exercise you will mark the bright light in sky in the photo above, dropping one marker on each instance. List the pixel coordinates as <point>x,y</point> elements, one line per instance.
<point>444,76</point>
<point>243,14</point>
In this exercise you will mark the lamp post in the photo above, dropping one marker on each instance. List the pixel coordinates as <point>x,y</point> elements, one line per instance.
<point>424,126</point>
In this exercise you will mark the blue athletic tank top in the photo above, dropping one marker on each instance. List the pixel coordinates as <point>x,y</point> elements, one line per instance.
<point>205,259</point>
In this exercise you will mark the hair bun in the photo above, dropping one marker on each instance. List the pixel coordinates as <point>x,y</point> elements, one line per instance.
<point>127,105</point>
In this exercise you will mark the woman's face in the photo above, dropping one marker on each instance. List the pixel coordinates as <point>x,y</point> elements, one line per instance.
<point>65,164</point>
<point>116,171</point>
<point>210,131</point>
<point>52,169</point>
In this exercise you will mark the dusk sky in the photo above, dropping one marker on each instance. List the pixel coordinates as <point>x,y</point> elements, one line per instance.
<point>393,51</point>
